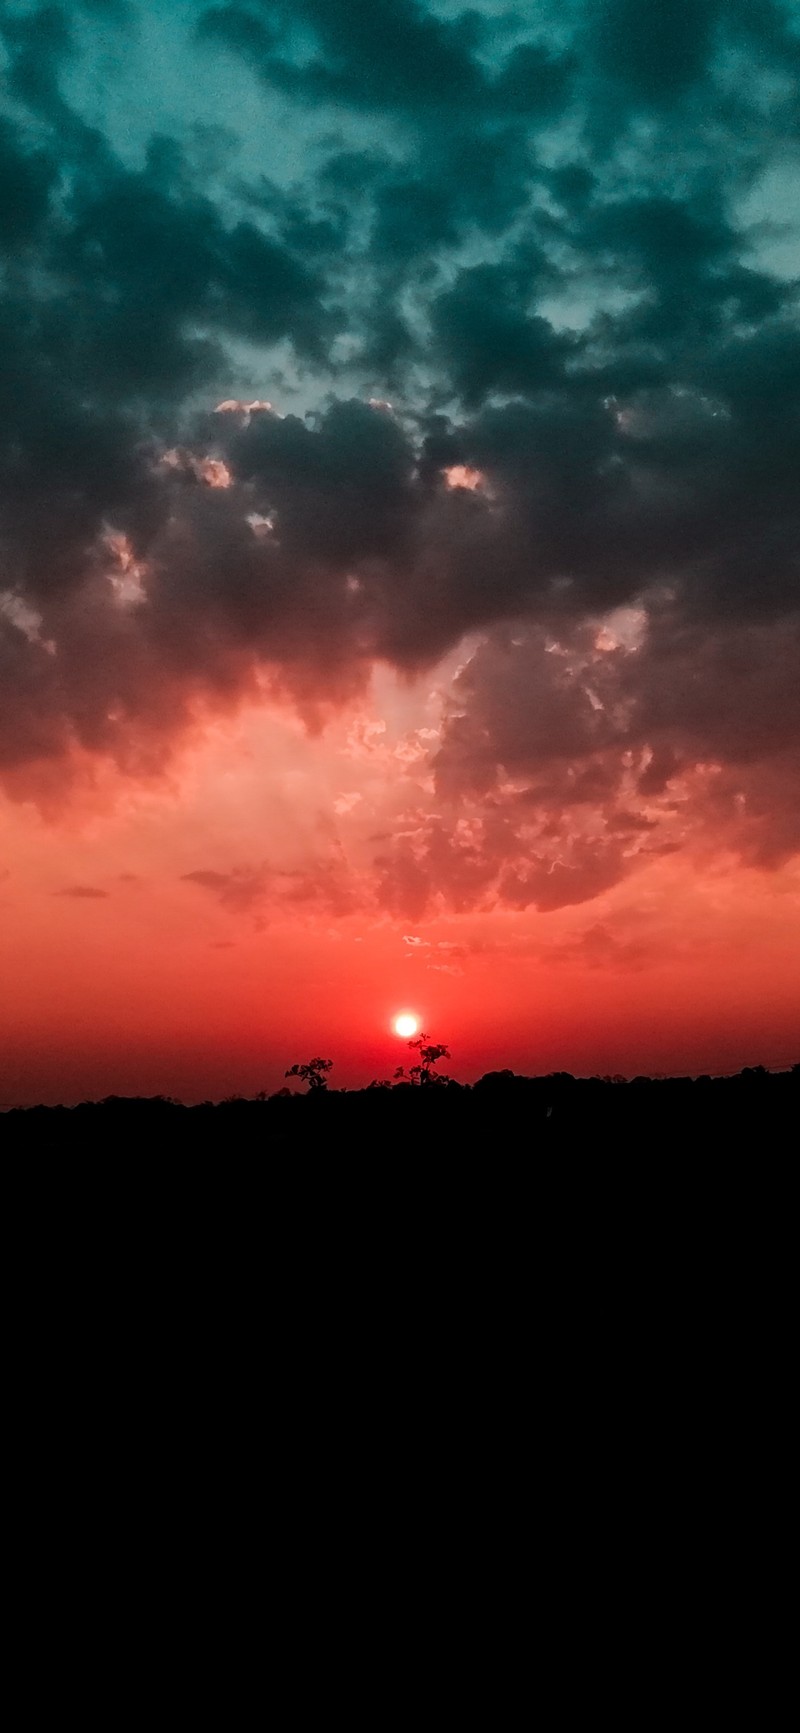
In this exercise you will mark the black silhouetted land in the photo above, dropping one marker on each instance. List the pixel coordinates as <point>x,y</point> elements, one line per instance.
<point>424,1111</point>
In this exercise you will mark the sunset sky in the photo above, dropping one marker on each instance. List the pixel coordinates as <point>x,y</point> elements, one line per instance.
<point>399,499</point>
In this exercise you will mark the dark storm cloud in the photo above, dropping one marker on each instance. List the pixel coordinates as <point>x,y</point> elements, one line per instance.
<point>470,105</point>
<point>26,180</point>
<point>531,240</point>
<point>488,337</point>
<point>669,64</point>
<point>397,55</point>
<point>654,52</point>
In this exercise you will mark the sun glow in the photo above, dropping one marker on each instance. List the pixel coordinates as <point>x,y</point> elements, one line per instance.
<point>406,1025</point>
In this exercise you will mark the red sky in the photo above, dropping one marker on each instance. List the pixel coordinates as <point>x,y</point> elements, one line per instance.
<point>128,976</point>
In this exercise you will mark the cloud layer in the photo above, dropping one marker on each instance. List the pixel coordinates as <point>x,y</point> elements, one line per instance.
<point>524,296</point>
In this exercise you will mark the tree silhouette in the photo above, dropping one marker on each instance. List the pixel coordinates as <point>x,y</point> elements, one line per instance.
<point>429,1052</point>
<point>312,1073</point>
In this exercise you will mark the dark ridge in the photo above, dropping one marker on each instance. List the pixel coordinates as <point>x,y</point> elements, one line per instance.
<point>501,1115</point>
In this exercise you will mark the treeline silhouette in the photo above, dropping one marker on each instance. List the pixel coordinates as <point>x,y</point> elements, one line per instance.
<point>424,1110</point>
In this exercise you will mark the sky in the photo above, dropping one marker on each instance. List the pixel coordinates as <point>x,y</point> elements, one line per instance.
<point>399,596</point>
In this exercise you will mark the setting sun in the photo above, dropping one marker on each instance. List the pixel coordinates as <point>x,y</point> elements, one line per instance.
<point>406,1025</point>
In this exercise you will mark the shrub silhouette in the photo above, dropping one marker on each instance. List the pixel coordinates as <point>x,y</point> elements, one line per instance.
<point>425,1071</point>
<point>312,1073</point>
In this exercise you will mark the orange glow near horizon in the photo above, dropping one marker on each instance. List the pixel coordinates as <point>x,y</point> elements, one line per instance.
<point>198,934</point>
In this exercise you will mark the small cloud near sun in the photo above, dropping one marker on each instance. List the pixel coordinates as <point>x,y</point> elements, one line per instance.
<point>406,1024</point>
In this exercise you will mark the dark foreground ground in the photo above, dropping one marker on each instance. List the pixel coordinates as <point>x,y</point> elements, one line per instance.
<point>501,1116</point>
<point>367,1268</point>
